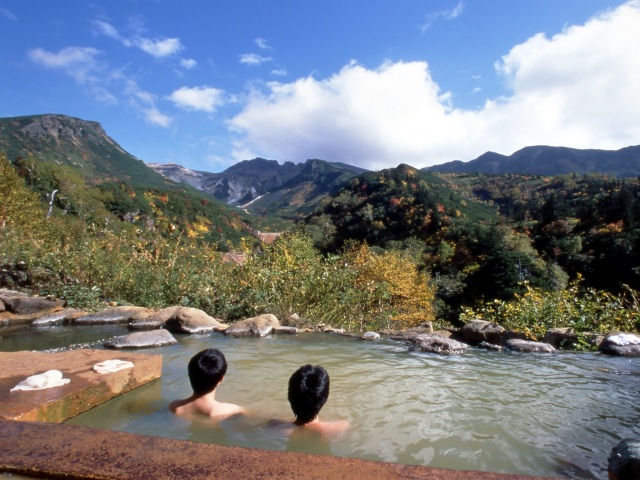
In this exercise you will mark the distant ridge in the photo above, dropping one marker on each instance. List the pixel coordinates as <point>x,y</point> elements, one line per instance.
<point>239,184</point>
<point>546,160</point>
<point>250,180</point>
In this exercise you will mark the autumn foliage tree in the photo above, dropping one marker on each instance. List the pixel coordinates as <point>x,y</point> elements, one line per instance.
<point>20,209</point>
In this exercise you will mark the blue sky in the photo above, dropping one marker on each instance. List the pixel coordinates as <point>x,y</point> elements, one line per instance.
<point>373,84</point>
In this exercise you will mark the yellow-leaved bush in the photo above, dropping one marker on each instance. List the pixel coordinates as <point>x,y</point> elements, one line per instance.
<point>397,289</point>
<point>20,208</point>
<point>357,290</point>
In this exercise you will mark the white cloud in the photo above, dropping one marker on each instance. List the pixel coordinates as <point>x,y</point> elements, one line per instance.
<point>188,63</point>
<point>455,12</point>
<point>8,14</point>
<point>280,72</point>
<point>78,62</point>
<point>450,14</point>
<point>105,28</point>
<point>206,99</point>
<point>81,63</point>
<point>159,48</point>
<point>262,43</point>
<point>579,88</point>
<point>253,59</point>
<point>145,103</point>
<point>156,48</point>
<point>156,117</point>
<point>103,95</point>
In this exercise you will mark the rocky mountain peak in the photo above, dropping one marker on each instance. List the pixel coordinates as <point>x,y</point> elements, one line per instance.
<point>61,127</point>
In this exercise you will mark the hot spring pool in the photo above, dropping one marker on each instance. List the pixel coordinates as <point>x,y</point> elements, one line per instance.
<point>534,414</point>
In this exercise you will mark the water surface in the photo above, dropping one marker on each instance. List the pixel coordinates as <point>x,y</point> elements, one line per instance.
<point>535,414</point>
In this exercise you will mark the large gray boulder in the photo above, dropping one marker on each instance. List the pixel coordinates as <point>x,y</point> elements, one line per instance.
<point>621,344</point>
<point>152,320</point>
<point>490,346</point>
<point>435,343</point>
<point>153,338</point>
<point>286,330</point>
<point>192,320</point>
<point>121,314</point>
<point>561,337</point>
<point>519,345</point>
<point>259,326</point>
<point>371,336</point>
<point>65,315</point>
<point>482,331</point>
<point>21,305</point>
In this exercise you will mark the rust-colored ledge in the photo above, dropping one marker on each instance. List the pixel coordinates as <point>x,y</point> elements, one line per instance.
<point>72,452</point>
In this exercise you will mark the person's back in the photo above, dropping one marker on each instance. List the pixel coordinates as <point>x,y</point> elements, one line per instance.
<point>308,392</point>
<point>206,370</point>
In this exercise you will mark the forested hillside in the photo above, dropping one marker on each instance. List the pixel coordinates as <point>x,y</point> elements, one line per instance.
<point>487,237</point>
<point>77,168</point>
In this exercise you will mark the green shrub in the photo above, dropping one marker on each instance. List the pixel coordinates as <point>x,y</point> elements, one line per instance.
<point>585,310</point>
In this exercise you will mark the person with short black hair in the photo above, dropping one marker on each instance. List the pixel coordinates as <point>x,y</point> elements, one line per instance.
<point>624,461</point>
<point>206,370</point>
<point>308,392</point>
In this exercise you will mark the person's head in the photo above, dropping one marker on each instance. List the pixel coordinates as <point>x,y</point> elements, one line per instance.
<point>308,392</point>
<point>624,461</point>
<point>206,369</point>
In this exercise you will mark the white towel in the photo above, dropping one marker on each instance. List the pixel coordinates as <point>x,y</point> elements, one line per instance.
<point>50,379</point>
<point>109,366</point>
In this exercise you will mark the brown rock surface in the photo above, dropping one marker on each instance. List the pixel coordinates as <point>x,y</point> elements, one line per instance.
<point>21,305</point>
<point>526,346</point>
<point>121,314</point>
<point>482,331</point>
<point>64,451</point>
<point>61,316</point>
<point>86,389</point>
<point>259,326</point>
<point>192,320</point>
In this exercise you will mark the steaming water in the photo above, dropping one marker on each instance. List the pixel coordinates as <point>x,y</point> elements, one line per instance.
<point>535,414</point>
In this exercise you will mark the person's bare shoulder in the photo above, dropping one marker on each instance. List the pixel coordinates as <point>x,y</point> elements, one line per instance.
<point>225,410</point>
<point>180,407</point>
<point>334,427</point>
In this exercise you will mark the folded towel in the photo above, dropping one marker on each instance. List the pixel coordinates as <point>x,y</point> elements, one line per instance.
<point>50,379</point>
<point>109,366</point>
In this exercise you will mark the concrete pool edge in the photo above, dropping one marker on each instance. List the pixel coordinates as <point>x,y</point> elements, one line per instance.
<point>74,452</point>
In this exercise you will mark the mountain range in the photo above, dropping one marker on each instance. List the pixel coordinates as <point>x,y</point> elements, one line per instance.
<point>545,160</point>
<point>239,184</point>
<point>263,186</point>
<point>247,182</point>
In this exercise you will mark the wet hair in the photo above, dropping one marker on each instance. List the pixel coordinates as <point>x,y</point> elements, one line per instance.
<point>206,369</point>
<point>308,392</point>
<point>624,461</point>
